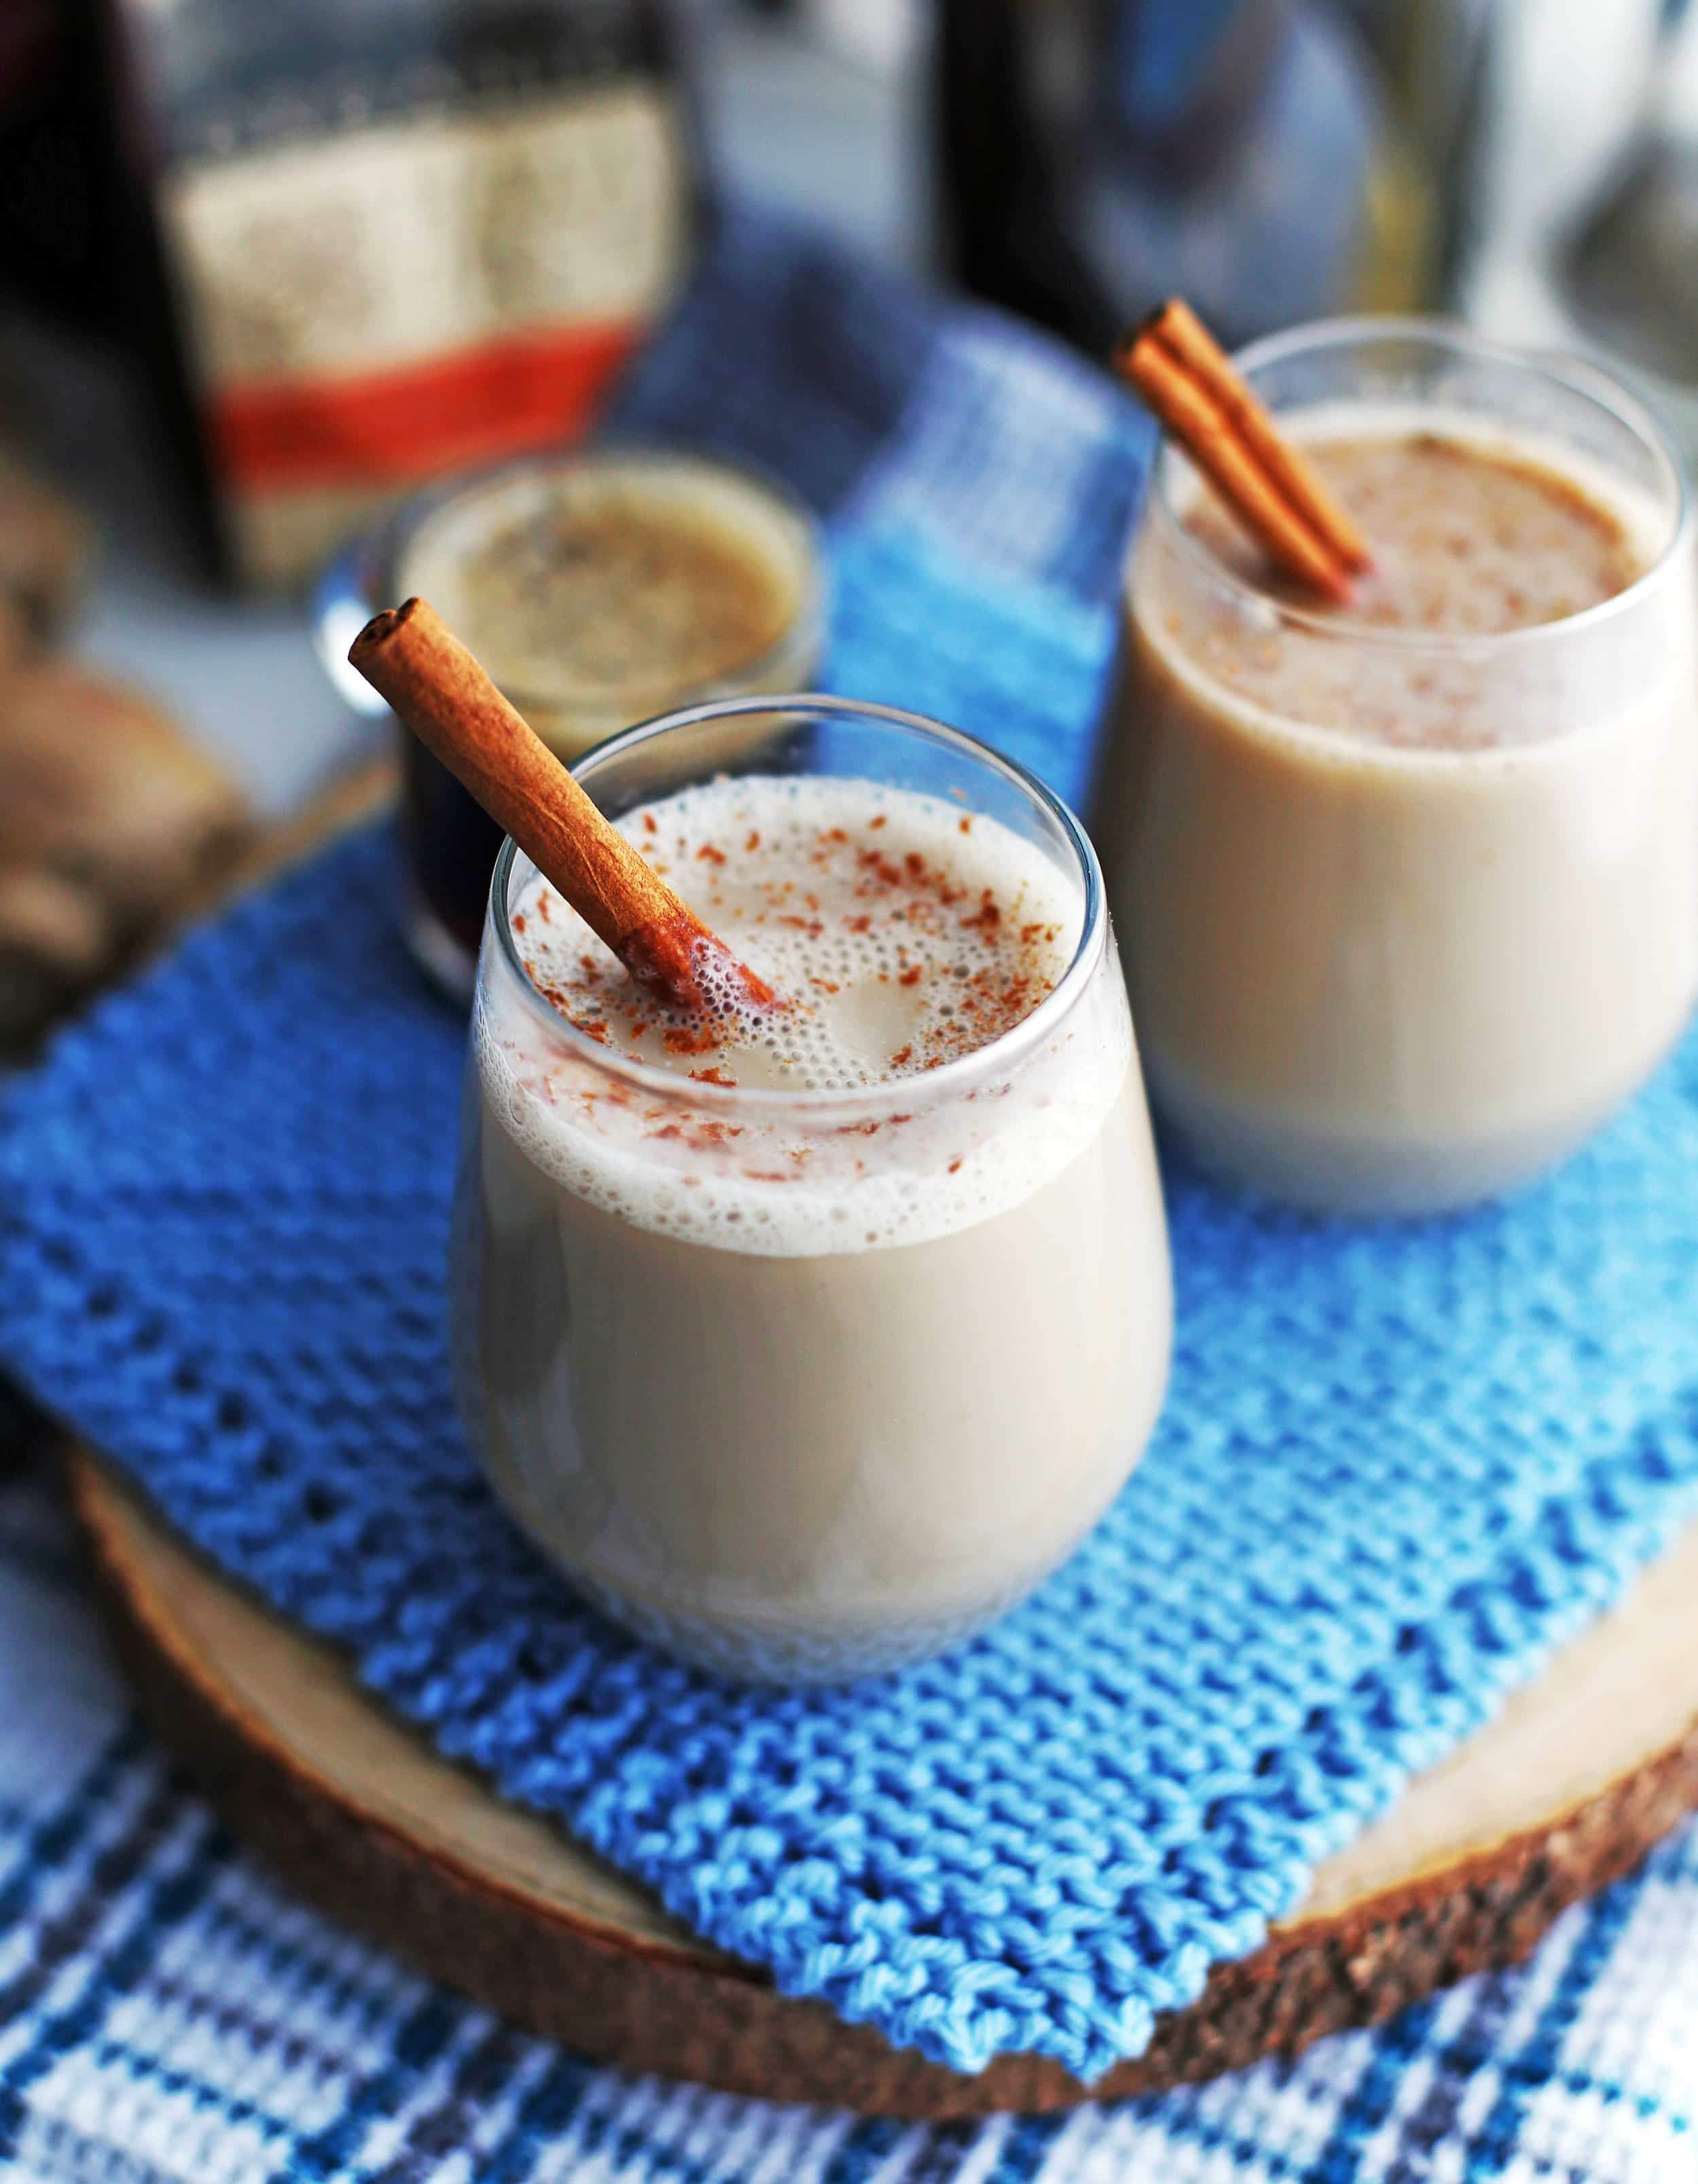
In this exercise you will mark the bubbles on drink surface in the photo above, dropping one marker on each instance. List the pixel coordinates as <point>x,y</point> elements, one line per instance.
<point>900,931</point>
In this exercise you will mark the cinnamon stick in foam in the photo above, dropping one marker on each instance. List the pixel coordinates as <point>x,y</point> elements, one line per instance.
<point>411,658</point>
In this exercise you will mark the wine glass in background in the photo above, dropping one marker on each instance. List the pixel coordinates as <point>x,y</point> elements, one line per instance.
<point>1577,222</point>
<point>1627,266</point>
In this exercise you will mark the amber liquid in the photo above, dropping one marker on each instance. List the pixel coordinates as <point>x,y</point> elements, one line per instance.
<point>598,593</point>
<point>450,844</point>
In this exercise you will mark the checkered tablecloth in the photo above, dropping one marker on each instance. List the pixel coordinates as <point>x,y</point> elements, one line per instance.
<point>170,2015</point>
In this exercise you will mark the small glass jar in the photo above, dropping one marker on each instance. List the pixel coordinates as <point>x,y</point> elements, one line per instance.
<point>598,588</point>
<point>803,1384</point>
<point>1406,915</point>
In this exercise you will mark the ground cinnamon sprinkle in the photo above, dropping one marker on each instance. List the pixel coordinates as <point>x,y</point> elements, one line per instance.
<point>881,914</point>
<point>872,1127</point>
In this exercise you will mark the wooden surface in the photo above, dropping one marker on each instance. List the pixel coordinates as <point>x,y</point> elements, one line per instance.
<point>1582,1772</point>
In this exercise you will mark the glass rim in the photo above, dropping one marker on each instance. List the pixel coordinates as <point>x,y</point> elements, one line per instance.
<point>1028,1035</point>
<point>399,532</point>
<point>1577,374</point>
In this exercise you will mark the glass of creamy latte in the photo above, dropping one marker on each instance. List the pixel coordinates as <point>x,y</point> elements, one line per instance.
<point>1408,888</point>
<point>806,1351</point>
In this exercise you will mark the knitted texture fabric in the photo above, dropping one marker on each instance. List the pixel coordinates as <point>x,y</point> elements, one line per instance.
<point>168,2015</point>
<point>1396,1465</point>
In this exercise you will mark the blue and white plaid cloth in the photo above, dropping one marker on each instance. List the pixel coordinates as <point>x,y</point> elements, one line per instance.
<point>168,2015</point>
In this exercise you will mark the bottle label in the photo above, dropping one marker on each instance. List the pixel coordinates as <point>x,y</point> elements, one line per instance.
<point>367,309</point>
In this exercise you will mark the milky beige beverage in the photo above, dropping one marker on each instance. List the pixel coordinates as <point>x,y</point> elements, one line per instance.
<point>1408,890</point>
<point>808,1353</point>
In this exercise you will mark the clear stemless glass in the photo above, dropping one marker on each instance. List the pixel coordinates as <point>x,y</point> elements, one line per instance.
<point>1407,916</point>
<point>745,1420</point>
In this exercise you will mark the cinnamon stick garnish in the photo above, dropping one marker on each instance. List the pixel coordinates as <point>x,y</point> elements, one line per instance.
<point>1177,326</point>
<point>1181,371</point>
<point>429,679</point>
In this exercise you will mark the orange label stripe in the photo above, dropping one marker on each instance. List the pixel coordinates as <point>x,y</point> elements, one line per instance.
<point>391,427</point>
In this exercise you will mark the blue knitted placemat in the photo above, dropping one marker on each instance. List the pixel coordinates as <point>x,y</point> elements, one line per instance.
<point>1396,1466</point>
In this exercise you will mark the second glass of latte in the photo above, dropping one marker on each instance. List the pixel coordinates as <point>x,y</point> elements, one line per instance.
<point>1407,888</point>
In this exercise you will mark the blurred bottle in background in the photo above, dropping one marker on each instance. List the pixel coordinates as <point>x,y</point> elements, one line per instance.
<point>371,241</point>
<point>56,171</point>
<point>1095,155</point>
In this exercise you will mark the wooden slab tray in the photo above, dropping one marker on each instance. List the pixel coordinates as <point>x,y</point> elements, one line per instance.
<point>1578,1777</point>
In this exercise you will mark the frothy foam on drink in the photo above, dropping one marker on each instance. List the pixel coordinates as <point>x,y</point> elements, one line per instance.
<point>905,934</point>
<point>1478,531</point>
<point>901,931</point>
